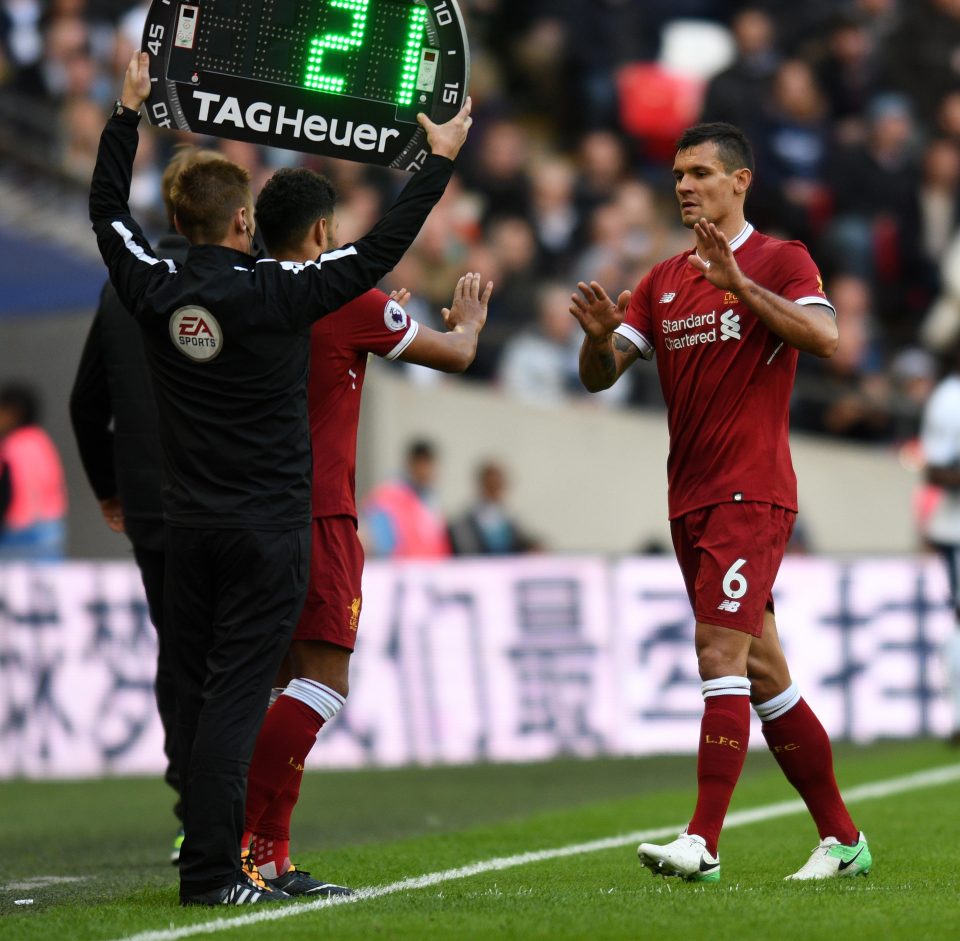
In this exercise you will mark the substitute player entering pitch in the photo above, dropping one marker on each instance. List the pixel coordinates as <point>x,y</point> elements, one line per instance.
<point>726,322</point>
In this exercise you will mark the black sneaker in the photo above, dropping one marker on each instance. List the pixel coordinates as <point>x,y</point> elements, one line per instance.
<point>299,882</point>
<point>242,892</point>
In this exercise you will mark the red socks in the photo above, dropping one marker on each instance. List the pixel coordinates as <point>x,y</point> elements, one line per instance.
<point>724,733</point>
<point>286,737</point>
<point>802,749</point>
<point>273,785</point>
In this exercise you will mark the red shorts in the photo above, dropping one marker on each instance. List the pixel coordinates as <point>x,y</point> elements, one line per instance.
<point>729,555</point>
<point>332,610</point>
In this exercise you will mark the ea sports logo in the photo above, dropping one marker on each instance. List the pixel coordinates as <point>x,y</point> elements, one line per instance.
<point>196,333</point>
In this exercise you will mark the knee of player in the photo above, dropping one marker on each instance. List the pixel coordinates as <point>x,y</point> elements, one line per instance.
<point>717,661</point>
<point>336,682</point>
<point>323,663</point>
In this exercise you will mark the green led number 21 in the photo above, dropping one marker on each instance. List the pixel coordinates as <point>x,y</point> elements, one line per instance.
<point>315,77</point>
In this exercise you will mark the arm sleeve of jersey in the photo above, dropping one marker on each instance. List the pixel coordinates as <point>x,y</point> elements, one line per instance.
<point>940,435</point>
<point>130,260</point>
<point>339,276</point>
<point>91,414</point>
<point>800,280</point>
<point>379,325</point>
<point>637,325</point>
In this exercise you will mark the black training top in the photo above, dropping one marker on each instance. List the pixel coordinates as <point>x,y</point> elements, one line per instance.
<point>227,341</point>
<point>114,413</point>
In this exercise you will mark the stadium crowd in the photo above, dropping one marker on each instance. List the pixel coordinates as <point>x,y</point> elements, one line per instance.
<point>853,107</point>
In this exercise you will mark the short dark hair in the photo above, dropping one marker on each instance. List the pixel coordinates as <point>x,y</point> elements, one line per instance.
<point>291,201</point>
<point>205,197</point>
<point>22,399</point>
<point>421,449</point>
<point>733,148</point>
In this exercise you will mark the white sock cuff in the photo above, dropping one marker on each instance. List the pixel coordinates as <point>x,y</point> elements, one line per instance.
<point>779,705</point>
<point>321,699</point>
<point>725,686</point>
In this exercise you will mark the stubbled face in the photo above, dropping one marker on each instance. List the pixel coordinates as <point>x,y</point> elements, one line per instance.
<point>705,190</point>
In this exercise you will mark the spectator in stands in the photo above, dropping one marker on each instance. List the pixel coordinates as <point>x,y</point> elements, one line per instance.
<point>849,74</point>
<point>513,244</point>
<point>736,94</point>
<point>877,212</point>
<point>33,493</point>
<point>923,53</point>
<point>553,212</point>
<point>939,197</point>
<point>791,143</point>
<point>947,123</point>
<point>66,69</point>
<point>486,528</point>
<point>880,18</point>
<point>940,330</point>
<point>601,168</point>
<point>913,374</point>
<point>540,365</point>
<point>498,170</point>
<point>848,394</point>
<point>401,519</point>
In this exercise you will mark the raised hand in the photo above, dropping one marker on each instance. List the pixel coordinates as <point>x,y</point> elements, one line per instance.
<point>136,83</point>
<point>595,312</point>
<point>445,140</point>
<point>714,258</point>
<point>401,296</point>
<point>469,307</point>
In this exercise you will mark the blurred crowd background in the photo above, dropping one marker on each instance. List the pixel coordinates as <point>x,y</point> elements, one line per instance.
<point>853,107</point>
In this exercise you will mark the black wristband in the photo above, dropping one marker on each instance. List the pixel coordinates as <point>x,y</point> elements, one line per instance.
<point>122,113</point>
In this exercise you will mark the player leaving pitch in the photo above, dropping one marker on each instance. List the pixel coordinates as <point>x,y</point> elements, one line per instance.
<point>726,323</point>
<point>296,216</point>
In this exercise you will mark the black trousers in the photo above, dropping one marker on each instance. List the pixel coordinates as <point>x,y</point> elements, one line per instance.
<point>232,601</point>
<point>151,563</point>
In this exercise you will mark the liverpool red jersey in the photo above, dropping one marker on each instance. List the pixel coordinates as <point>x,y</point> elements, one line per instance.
<point>339,344</point>
<point>726,378</point>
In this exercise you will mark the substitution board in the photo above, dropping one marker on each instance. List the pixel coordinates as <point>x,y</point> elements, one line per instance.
<point>343,78</point>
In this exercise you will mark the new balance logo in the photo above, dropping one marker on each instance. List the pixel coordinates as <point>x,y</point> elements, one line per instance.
<point>668,297</point>
<point>731,606</point>
<point>192,325</point>
<point>729,325</point>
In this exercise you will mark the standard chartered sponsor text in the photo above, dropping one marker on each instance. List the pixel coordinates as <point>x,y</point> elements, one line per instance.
<point>686,324</point>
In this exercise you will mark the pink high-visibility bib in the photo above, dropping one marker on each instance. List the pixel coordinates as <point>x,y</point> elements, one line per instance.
<point>39,491</point>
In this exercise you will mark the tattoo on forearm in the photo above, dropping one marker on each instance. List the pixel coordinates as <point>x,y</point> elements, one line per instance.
<point>608,362</point>
<point>622,344</point>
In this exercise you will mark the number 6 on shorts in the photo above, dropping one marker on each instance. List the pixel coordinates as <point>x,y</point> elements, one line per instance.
<point>735,584</point>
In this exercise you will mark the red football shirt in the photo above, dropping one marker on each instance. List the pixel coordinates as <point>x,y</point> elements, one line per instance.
<point>339,344</point>
<point>726,378</point>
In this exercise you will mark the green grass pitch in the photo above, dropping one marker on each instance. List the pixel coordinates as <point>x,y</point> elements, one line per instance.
<point>374,828</point>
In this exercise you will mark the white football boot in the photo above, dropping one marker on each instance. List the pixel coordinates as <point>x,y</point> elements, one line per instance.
<point>833,859</point>
<point>686,857</point>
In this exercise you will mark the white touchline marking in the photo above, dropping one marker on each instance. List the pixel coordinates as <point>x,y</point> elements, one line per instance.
<point>38,882</point>
<point>739,818</point>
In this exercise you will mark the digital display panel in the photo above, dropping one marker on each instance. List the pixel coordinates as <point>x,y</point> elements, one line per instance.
<point>344,78</point>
